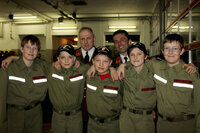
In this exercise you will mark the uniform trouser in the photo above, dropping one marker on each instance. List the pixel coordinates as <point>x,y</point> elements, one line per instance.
<point>136,123</point>
<point>3,126</point>
<point>198,124</point>
<point>187,126</point>
<point>106,127</point>
<point>25,121</point>
<point>67,124</point>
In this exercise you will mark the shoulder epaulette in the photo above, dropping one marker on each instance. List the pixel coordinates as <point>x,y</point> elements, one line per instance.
<point>118,60</point>
<point>78,52</point>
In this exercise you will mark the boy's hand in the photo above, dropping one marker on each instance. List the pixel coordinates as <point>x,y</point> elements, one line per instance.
<point>190,68</point>
<point>153,115</point>
<point>56,65</point>
<point>120,71</point>
<point>91,71</point>
<point>77,64</point>
<point>6,62</point>
<point>113,74</point>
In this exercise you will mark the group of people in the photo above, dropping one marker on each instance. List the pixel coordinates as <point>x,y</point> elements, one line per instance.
<point>147,89</point>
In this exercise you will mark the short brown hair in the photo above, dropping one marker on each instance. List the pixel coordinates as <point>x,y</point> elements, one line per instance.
<point>33,40</point>
<point>174,37</point>
<point>86,28</point>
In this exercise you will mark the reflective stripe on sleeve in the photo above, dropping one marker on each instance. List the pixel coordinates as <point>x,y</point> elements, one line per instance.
<point>183,83</point>
<point>39,79</point>
<point>17,78</point>
<point>92,87</point>
<point>110,91</point>
<point>57,76</point>
<point>76,77</point>
<point>160,78</point>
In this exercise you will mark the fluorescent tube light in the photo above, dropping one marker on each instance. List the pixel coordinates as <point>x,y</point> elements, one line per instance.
<point>64,28</point>
<point>122,27</point>
<point>181,27</point>
<point>25,17</point>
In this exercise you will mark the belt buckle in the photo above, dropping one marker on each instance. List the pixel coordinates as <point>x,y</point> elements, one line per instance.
<point>101,120</point>
<point>170,119</point>
<point>27,108</point>
<point>137,112</point>
<point>67,113</point>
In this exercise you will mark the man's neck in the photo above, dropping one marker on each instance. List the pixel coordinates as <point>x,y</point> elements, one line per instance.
<point>124,54</point>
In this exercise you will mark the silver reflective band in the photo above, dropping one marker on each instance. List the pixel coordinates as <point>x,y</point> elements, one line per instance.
<point>183,85</point>
<point>92,87</point>
<point>160,78</point>
<point>40,80</point>
<point>110,91</point>
<point>76,78</point>
<point>16,78</point>
<point>57,76</point>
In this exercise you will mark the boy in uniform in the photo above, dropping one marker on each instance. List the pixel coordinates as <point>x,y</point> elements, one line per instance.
<point>177,91</point>
<point>23,87</point>
<point>104,96</point>
<point>139,96</point>
<point>66,88</point>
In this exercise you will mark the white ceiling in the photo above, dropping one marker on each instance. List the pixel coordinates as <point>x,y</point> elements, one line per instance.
<point>95,9</point>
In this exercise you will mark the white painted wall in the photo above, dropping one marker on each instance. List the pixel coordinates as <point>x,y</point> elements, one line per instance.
<point>11,39</point>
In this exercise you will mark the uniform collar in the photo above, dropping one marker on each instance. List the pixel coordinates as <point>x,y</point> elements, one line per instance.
<point>142,73</point>
<point>177,67</point>
<point>64,70</point>
<point>23,66</point>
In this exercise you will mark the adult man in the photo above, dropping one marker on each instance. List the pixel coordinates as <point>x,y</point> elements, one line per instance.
<point>86,38</point>
<point>84,54</point>
<point>121,42</point>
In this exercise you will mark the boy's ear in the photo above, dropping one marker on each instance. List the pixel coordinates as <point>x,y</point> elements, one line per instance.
<point>129,42</point>
<point>21,49</point>
<point>92,61</point>
<point>145,57</point>
<point>182,51</point>
<point>58,58</point>
<point>111,62</point>
<point>162,51</point>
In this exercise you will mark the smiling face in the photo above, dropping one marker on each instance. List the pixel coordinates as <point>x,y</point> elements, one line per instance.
<point>87,39</point>
<point>137,57</point>
<point>172,52</point>
<point>121,43</point>
<point>66,60</point>
<point>102,63</point>
<point>29,51</point>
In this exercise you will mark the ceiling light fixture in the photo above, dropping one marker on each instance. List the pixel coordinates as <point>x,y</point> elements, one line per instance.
<point>181,27</point>
<point>60,20</point>
<point>122,27</point>
<point>64,28</point>
<point>24,17</point>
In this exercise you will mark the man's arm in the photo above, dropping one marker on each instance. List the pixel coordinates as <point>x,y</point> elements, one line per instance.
<point>190,68</point>
<point>6,62</point>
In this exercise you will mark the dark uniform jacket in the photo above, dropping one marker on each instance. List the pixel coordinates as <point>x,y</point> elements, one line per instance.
<point>79,56</point>
<point>116,61</point>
